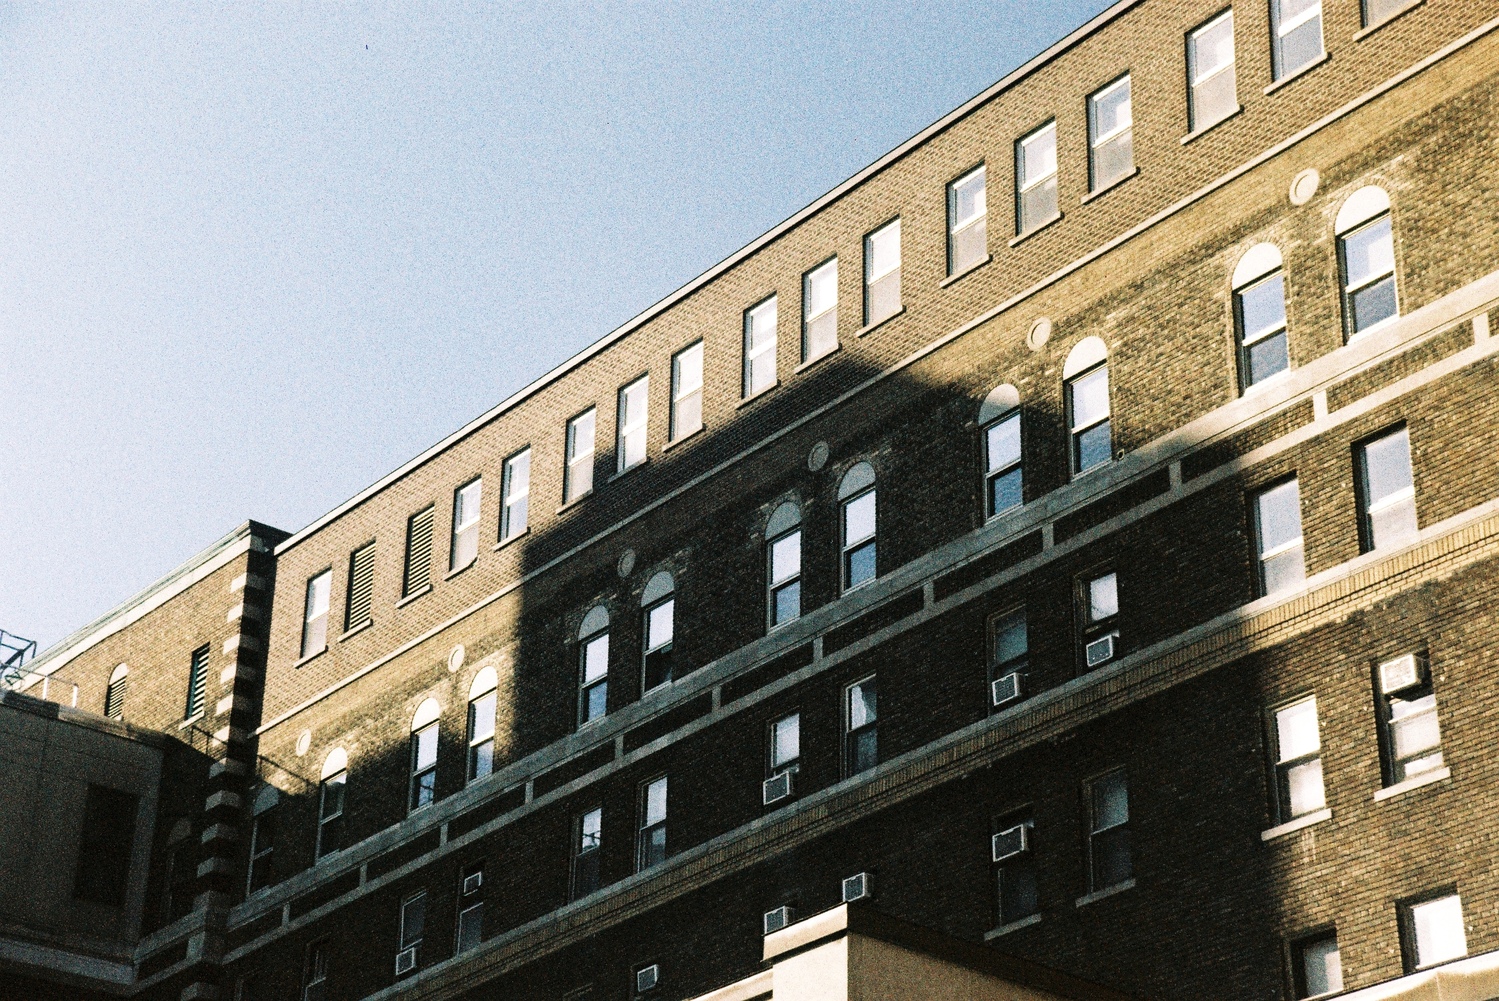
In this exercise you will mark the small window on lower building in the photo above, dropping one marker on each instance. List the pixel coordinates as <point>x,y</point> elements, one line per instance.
<point>1013,850</point>
<point>1110,861</point>
<point>861,726</point>
<point>1098,597</point>
<point>1298,760</point>
<point>1003,487</point>
<point>588,839</point>
<point>1009,648</point>
<point>315,972</point>
<point>470,907</point>
<point>1387,491</point>
<point>1316,965</point>
<point>1433,930</point>
<point>413,922</point>
<point>1411,736</point>
<point>659,630</point>
<point>1277,537</point>
<point>652,846</point>
<point>106,842</point>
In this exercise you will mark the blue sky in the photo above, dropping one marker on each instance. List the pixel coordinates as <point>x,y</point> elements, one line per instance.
<point>254,257</point>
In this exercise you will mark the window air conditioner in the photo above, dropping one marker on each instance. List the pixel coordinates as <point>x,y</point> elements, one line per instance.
<point>406,960</point>
<point>647,977</point>
<point>778,787</point>
<point>1402,672</point>
<point>1011,842</point>
<point>1100,651</point>
<point>777,919</point>
<point>472,882</point>
<point>1004,689</point>
<point>859,886</point>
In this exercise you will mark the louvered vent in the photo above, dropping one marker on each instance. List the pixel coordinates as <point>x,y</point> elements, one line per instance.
<point>114,697</point>
<point>362,581</point>
<point>418,552</point>
<point>197,682</point>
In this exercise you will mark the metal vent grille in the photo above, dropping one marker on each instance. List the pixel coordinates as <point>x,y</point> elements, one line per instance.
<point>362,581</point>
<point>418,552</point>
<point>197,682</point>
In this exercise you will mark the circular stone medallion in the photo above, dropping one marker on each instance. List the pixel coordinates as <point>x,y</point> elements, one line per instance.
<point>1304,186</point>
<point>818,457</point>
<point>1039,334</point>
<point>626,563</point>
<point>304,741</point>
<point>455,659</point>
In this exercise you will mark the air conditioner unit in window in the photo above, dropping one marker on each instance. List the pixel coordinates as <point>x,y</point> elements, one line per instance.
<point>1101,650</point>
<point>1011,842</point>
<point>1004,689</point>
<point>1400,673</point>
<point>647,977</point>
<point>406,960</point>
<point>472,882</point>
<point>777,919</point>
<point>778,787</point>
<point>859,886</point>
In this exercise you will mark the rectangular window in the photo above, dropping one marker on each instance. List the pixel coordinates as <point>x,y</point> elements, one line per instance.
<point>413,923</point>
<point>652,844</point>
<point>1410,734</point>
<point>1367,255</point>
<point>1277,537</point>
<point>1260,319</point>
<point>1317,966</point>
<point>967,222</point>
<point>1212,84</point>
<point>785,557</point>
<point>687,391</point>
<point>1296,34</point>
<point>861,747</point>
<point>197,682</point>
<point>105,844</point>
<point>1099,599</point>
<point>1387,491</point>
<point>820,310</point>
<point>470,908</point>
<point>760,347</point>
<point>330,825</point>
<point>1002,473</point>
<point>587,840</point>
<point>882,273</point>
<point>1109,856</point>
<point>1433,931</point>
<point>481,735</point>
<point>423,767</point>
<point>1298,760</point>
<point>315,621</point>
<point>418,576</point>
<point>579,473</point>
<point>1015,869</point>
<point>593,686</point>
<point>1111,153</point>
<point>465,548</point>
<point>1036,179</point>
<point>659,627</point>
<point>1088,419</point>
<point>1376,11</point>
<point>262,850</point>
<point>785,744</point>
<point>361,586</point>
<point>517,495</point>
<point>858,530</point>
<point>315,973</point>
<point>1009,653</point>
<point>631,425</point>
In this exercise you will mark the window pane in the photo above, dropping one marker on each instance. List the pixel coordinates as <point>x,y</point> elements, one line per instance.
<point>761,328</point>
<point>470,927</point>
<point>1267,357</point>
<point>786,745</point>
<point>481,760</point>
<point>1103,597</point>
<point>1113,159</point>
<point>1005,492</point>
<point>580,436</point>
<point>1010,640</point>
<point>317,595</point>
<point>1003,443</point>
<point>1373,304</point>
<point>688,370</point>
<point>1212,47</point>
<point>596,658</point>
<point>863,705</point>
<point>1090,398</point>
<point>1393,524</point>
<point>1038,156</point>
<point>413,917</point>
<point>1439,931</point>
<point>595,702</point>
<point>481,717</point>
<point>1215,98</point>
<point>1279,510</point>
<point>821,289</point>
<point>425,741</point>
<point>333,794</point>
<point>1262,306</point>
<point>591,830</point>
<point>1322,967</point>
<point>785,557</point>
<point>861,564</point>
<point>859,518</point>
<point>1413,726</point>
<point>1387,466</point>
<point>1296,730</point>
<point>882,252</point>
<point>1110,802</point>
<point>659,626</point>
<point>655,802</point>
<point>466,504</point>
<point>1369,252</point>
<point>1304,786</point>
<point>1095,447</point>
<point>788,602</point>
<point>1018,897</point>
<point>1284,570</point>
<point>1111,858</point>
<point>1111,110</point>
<point>968,199</point>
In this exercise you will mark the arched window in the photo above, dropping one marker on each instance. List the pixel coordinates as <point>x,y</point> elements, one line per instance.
<point>1366,258</point>
<point>1086,386</point>
<point>658,605</point>
<point>783,560</point>
<point>593,665</point>
<point>114,695</point>
<point>481,704</point>
<point>857,525</point>
<point>180,879</point>
<point>1260,315</point>
<point>424,754</point>
<point>331,789</point>
<point>999,423</point>
<point>262,838</point>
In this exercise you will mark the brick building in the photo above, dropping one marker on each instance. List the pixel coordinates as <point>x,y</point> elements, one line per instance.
<point>1098,603</point>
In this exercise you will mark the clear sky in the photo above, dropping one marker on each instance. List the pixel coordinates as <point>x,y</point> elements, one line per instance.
<point>253,257</point>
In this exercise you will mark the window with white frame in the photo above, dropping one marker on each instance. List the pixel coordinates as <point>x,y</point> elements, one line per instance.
<point>1212,83</point>
<point>1013,853</point>
<point>967,222</point>
<point>1377,11</point>
<point>470,907</point>
<point>687,391</point>
<point>1003,486</point>
<point>857,526</point>
<point>260,870</point>
<point>1009,657</point>
<point>423,791</point>
<point>1277,537</point>
<point>861,717</point>
<point>786,744</point>
<point>1296,35</point>
<point>1110,859</point>
<point>413,923</point>
<point>1410,734</point>
<point>482,694</point>
<point>651,847</point>
<point>1036,179</point>
<point>1098,596</point>
<point>783,559</point>
<point>331,789</point>
<point>1387,491</point>
<point>588,839</point>
<point>315,617</point>
<point>1111,151</point>
<point>593,666</point>
<point>1088,419</point>
<point>820,310</point>
<point>1434,931</point>
<point>1366,255</point>
<point>1260,315</point>
<point>579,473</point>
<point>658,611</point>
<point>631,425</point>
<point>465,547</point>
<point>1297,756</point>
<point>760,347</point>
<point>515,509</point>
<point>882,273</point>
<point>1317,965</point>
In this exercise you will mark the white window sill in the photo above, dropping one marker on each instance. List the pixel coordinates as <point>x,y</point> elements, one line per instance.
<point>194,718</point>
<point>355,630</point>
<point>1195,133</point>
<point>1040,227</point>
<point>995,933</point>
<point>458,570</point>
<point>759,394</point>
<point>1433,776</point>
<point>310,657</point>
<point>966,271</point>
<point>1357,334</point>
<point>1298,74</point>
<point>1108,891</point>
<point>629,469</point>
<point>569,505</point>
<point>424,589</point>
<point>1363,33</point>
<point>686,437</point>
<point>880,322</point>
<point>507,541</point>
<point>817,358</point>
<point>1090,196</point>
<point>1315,817</point>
